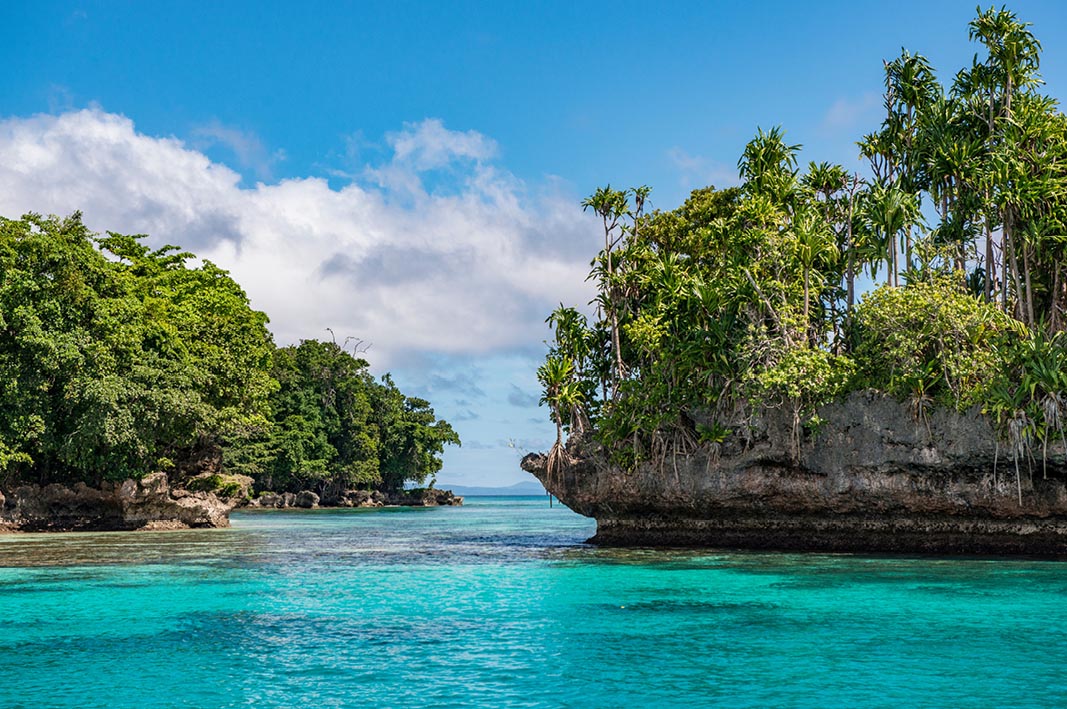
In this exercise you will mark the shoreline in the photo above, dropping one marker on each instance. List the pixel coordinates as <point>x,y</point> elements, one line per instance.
<point>152,504</point>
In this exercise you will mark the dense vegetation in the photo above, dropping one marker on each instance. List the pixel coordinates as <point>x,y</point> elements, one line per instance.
<point>749,297</point>
<point>117,360</point>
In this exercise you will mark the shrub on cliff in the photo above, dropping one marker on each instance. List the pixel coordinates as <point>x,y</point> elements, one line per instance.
<point>931,340</point>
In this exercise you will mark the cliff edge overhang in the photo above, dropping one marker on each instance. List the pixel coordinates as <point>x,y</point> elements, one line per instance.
<point>878,475</point>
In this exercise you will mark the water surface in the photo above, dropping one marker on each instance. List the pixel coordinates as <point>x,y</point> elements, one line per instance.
<point>499,603</point>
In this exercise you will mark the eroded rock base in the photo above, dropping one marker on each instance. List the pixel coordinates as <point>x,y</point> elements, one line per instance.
<point>845,533</point>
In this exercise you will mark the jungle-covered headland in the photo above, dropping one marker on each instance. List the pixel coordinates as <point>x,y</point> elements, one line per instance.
<point>138,387</point>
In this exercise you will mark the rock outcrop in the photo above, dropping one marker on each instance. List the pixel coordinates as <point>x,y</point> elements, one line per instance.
<point>148,503</point>
<point>879,475</point>
<point>421,497</point>
<point>151,503</point>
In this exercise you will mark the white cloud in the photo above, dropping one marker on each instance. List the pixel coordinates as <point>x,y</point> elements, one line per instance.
<point>850,113</point>
<point>470,268</point>
<point>695,171</point>
<point>246,146</point>
<point>429,144</point>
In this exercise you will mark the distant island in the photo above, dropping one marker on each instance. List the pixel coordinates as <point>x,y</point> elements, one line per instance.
<point>523,489</point>
<point>140,390</point>
<point>739,388</point>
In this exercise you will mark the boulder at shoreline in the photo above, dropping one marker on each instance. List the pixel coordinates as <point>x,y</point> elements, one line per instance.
<point>148,503</point>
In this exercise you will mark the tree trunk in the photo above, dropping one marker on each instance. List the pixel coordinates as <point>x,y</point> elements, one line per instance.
<point>850,269</point>
<point>1054,316</point>
<point>907,250</point>
<point>1009,247</point>
<point>1005,272</point>
<point>620,372</point>
<point>891,260</point>
<point>990,263</point>
<point>1029,288</point>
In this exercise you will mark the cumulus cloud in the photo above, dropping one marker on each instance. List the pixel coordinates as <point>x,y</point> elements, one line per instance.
<point>464,265</point>
<point>245,146</point>
<point>429,144</point>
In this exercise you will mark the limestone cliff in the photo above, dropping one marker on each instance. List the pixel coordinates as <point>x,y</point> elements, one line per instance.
<point>879,475</point>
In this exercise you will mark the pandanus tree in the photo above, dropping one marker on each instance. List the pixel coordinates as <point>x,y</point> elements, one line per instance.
<point>564,398</point>
<point>1010,69</point>
<point>952,154</point>
<point>768,165</point>
<point>611,206</point>
<point>576,343</point>
<point>813,246</point>
<point>620,221</point>
<point>911,88</point>
<point>837,194</point>
<point>890,212</point>
<point>1030,180</point>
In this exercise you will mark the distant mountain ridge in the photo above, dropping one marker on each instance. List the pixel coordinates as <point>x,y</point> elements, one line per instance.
<point>518,489</point>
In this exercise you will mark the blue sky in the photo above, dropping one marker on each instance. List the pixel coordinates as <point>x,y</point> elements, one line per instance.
<point>409,173</point>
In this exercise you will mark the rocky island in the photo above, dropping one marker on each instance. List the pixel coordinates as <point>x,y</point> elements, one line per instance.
<point>823,359</point>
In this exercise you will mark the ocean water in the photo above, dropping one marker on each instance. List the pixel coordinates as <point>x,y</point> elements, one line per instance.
<point>500,604</point>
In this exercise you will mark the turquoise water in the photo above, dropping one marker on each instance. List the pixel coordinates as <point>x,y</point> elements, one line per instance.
<point>499,604</point>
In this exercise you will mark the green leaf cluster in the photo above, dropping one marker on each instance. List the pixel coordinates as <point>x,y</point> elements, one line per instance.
<point>932,340</point>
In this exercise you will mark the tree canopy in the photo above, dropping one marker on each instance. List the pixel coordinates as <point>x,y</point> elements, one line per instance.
<point>117,360</point>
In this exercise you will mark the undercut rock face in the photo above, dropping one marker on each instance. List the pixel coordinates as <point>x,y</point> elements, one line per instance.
<point>148,503</point>
<point>878,475</point>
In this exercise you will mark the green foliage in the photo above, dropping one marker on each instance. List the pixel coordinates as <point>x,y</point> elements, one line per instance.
<point>805,378</point>
<point>412,437</point>
<point>334,427</point>
<point>116,360</point>
<point>222,485</point>
<point>324,435</point>
<point>931,339</point>
<point>110,367</point>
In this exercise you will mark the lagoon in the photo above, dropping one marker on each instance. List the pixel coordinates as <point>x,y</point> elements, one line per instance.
<point>500,604</point>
